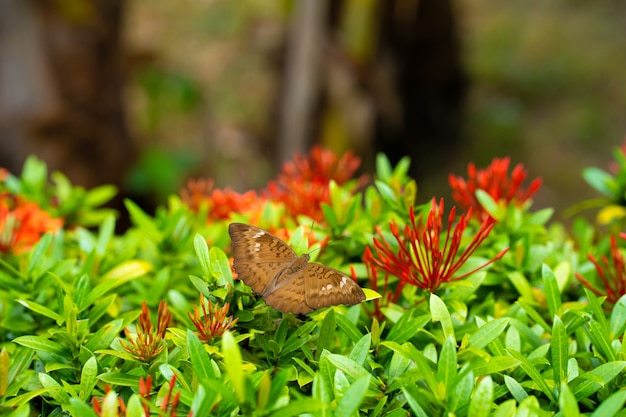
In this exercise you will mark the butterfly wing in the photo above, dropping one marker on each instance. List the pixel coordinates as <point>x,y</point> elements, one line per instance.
<point>289,297</point>
<point>258,256</point>
<point>324,286</point>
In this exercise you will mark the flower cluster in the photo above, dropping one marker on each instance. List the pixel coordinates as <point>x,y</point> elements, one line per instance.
<point>302,187</point>
<point>148,343</point>
<point>612,274</point>
<point>219,203</point>
<point>214,320</point>
<point>303,184</point>
<point>424,255</point>
<point>112,405</point>
<point>22,223</point>
<point>495,181</point>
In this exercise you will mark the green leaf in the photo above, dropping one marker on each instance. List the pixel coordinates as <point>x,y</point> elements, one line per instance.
<point>353,397</point>
<point>407,326</point>
<point>447,363</point>
<point>600,180</point>
<point>601,340</point>
<point>493,365</point>
<point>43,310</point>
<point>128,270</point>
<point>590,382</point>
<point>516,390</point>
<point>144,222</point>
<point>36,254</point>
<point>611,406</point>
<point>88,378</point>
<point>199,358</point>
<point>105,335</point>
<point>559,351</point>
<point>522,285</point>
<point>532,372</point>
<point>361,349</point>
<point>220,266</point>
<point>423,368</point>
<point>489,204</point>
<point>617,323</point>
<point>487,333</point>
<point>439,312</point>
<point>134,406</point>
<point>327,333</point>
<point>551,288</point>
<point>57,392</point>
<point>348,328</point>
<point>80,408</point>
<point>347,365</point>
<point>299,407</point>
<point>413,397</point>
<point>567,401</point>
<point>107,228</point>
<point>202,252</point>
<point>480,404</point>
<point>298,338</point>
<point>120,379</point>
<point>383,167</point>
<point>596,308</point>
<point>234,365</point>
<point>321,390</point>
<point>40,344</point>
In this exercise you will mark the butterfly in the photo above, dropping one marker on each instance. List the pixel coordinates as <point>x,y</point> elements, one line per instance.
<point>286,281</point>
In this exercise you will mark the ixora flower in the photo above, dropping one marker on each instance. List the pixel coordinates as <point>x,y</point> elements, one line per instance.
<point>495,181</point>
<point>612,274</point>
<point>214,320</point>
<point>22,223</point>
<point>426,256</point>
<point>148,343</point>
<point>303,184</point>
<point>220,203</point>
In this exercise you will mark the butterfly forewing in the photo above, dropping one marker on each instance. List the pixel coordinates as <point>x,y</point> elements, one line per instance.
<point>258,255</point>
<point>285,281</point>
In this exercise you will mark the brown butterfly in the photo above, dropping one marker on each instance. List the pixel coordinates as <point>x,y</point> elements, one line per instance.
<point>286,281</point>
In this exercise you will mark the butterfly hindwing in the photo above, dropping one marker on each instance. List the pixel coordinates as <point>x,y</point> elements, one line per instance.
<point>324,286</point>
<point>290,296</point>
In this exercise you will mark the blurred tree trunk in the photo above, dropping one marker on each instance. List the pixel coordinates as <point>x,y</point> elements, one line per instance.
<point>61,82</point>
<point>429,83</point>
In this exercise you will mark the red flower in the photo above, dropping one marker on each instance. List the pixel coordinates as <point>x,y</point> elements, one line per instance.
<point>303,184</point>
<point>495,181</point>
<point>220,203</point>
<point>422,258</point>
<point>612,275</point>
<point>22,223</point>
<point>213,322</point>
<point>148,343</point>
<point>387,295</point>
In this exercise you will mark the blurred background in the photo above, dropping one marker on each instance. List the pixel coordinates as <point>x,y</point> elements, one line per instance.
<point>147,93</point>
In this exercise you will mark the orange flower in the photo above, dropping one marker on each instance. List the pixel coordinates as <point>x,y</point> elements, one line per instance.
<point>496,182</point>
<point>303,184</point>
<point>214,320</point>
<point>220,203</point>
<point>148,343</point>
<point>22,223</point>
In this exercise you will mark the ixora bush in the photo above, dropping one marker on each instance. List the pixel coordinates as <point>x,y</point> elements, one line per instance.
<point>484,309</point>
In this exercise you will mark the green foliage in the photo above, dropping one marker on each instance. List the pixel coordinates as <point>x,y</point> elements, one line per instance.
<point>521,338</point>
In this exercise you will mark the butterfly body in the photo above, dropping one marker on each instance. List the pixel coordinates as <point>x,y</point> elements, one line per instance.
<point>287,282</point>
